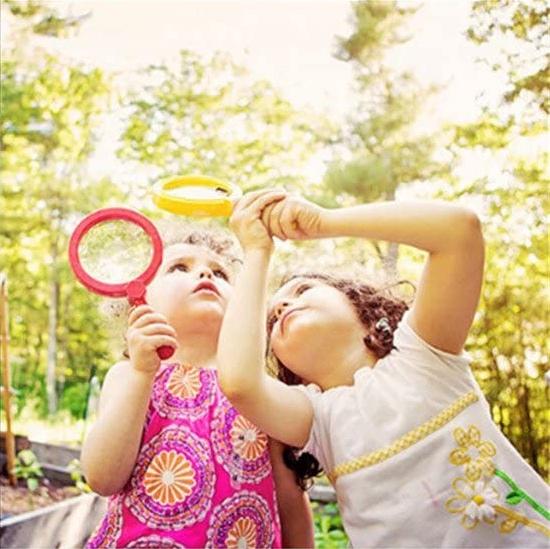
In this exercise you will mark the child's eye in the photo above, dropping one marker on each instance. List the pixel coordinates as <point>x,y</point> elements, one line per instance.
<point>302,288</point>
<point>178,267</point>
<point>220,273</point>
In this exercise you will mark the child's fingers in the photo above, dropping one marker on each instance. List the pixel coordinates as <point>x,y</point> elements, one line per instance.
<point>149,318</point>
<point>262,202</point>
<point>137,340</point>
<point>266,214</point>
<point>258,202</point>
<point>242,218</point>
<point>276,228</point>
<point>248,198</point>
<point>158,329</point>
<point>160,340</point>
<point>289,220</point>
<point>137,312</point>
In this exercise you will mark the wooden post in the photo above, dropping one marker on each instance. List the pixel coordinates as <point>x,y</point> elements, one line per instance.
<point>6,377</point>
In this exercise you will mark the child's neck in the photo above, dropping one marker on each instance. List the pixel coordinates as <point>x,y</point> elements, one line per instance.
<point>197,350</point>
<point>349,361</point>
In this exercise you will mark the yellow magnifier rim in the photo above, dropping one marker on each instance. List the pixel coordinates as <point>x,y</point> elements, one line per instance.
<point>164,196</point>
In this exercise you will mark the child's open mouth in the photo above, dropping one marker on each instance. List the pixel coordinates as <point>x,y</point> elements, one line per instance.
<point>206,286</point>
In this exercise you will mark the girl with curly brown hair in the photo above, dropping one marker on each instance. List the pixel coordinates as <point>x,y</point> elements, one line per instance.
<point>382,395</point>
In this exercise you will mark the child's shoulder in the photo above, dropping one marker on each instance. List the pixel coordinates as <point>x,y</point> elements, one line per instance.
<point>408,341</point>
<point>121,365</point>
<point>118,370</point>
<point>116,374</point>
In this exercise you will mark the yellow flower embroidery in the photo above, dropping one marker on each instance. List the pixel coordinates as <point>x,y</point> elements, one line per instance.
<point>474,501</point>
<point>184,382</point>
<point>169,478</point>
<point>247,440</point>
<point>475,496</point>
<point>242,534</point>
<point>472,452</point>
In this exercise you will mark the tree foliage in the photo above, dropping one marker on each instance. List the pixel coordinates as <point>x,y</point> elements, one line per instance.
<point>50,111</point>
<point>209,116</point>
<point>509,337</point>
<point>380,150</point>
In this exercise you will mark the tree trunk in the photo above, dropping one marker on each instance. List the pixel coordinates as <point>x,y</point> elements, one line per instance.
<point>392,251</point>
<point>390,261</point>
<point>52,333</point>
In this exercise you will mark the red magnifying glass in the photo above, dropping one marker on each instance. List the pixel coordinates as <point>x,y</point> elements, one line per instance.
<point>116,252</point>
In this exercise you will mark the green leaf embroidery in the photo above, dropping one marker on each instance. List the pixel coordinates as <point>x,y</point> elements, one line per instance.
<point>517,495</point>
<point>513,498</point>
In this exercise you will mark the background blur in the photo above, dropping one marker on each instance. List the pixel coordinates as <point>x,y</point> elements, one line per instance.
<point>344,103</point>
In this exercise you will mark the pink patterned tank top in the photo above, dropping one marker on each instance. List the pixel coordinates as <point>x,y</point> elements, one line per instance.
<point>202,476</point>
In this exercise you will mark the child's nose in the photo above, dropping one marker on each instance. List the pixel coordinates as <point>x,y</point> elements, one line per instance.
<point>205,273</point>
<point>280,308</point>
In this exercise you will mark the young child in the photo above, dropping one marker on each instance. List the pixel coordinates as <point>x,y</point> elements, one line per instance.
<point>182,466</point>
<point>388,404</point>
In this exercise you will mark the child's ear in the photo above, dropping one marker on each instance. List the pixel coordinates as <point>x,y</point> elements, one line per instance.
<point>379,339</point>
<point>375,346</point>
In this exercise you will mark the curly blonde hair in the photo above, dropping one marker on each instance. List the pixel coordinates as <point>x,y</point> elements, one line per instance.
<point>173,232</point>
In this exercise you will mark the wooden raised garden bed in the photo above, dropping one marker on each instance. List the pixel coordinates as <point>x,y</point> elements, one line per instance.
<point>53,515</point>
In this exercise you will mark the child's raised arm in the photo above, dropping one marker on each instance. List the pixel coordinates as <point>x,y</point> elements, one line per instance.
<point>449,289</point>
<point>283,412</point>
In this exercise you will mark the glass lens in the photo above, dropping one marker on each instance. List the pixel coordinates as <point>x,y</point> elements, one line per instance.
<point>197,192</point>
<point>115,252</point>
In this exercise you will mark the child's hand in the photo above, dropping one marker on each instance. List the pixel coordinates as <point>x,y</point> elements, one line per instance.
<point>293,218</point>
<point>147,331</point>
<point>246,220</point>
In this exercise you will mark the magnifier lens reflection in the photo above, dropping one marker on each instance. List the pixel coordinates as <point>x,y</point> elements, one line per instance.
<point>115,252</point>
<point>197,192</point>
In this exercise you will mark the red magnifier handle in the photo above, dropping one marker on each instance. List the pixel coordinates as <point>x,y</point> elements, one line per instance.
<point>165,351</point>
<point>136,296</point>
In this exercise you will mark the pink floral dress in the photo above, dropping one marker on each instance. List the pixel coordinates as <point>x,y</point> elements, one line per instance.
<point>202,477</point>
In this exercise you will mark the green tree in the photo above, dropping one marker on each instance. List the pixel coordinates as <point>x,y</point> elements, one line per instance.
<point>44,19</point>
<point>50,110</point>
<point>382,150</point>
<point>209,116</point>
<point>525,59</point>
<point>509,336</point>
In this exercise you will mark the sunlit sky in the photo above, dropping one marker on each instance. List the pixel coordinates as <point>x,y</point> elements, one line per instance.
<point>289,42</point>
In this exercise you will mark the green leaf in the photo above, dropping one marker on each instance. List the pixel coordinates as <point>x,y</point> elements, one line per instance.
<point>513,498</point>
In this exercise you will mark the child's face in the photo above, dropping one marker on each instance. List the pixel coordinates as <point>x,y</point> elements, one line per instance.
<point>311,320</point>
<point>191,288</point>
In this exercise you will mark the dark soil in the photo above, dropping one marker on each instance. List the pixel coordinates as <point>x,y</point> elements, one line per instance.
<point>19,499</point>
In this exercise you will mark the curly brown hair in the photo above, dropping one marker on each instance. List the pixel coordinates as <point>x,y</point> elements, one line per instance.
<point>380,311</point>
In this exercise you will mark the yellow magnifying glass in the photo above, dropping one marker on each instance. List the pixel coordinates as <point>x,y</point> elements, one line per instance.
<point>196,195</point>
